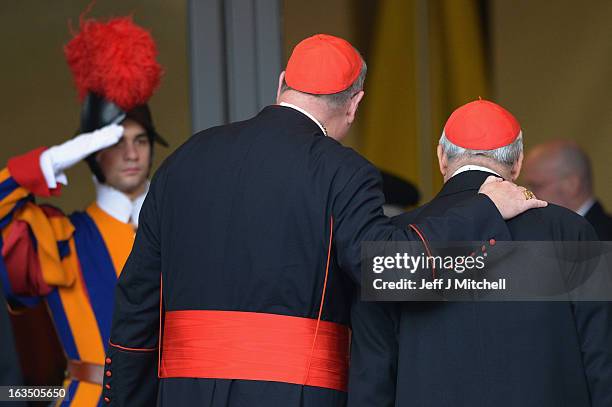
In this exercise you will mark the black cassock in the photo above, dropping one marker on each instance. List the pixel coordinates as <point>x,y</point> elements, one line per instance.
<point>483,354</point>
<point>238,224</point>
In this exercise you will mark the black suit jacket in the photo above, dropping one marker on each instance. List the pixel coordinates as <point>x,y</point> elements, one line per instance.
<point>483,354</point>
<point>601,221</point>
<point>238,219</point>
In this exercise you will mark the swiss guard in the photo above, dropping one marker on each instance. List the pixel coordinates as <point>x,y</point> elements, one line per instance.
<point>72,262</point>
<point>238,289</point>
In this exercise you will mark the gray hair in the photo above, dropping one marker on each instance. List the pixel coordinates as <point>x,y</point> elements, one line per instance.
<point>506,155</point>
<point>339,99</point>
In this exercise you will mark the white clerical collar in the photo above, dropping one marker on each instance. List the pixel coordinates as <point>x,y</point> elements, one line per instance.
<point>119,205</point>
<point>585,207</point>
<point>474,168</point>
<point>299,109</point>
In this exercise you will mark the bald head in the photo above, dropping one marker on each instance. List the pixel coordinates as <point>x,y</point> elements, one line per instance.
<point>559,171</point>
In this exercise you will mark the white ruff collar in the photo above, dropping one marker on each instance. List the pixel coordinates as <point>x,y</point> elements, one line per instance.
<point>119,205</point>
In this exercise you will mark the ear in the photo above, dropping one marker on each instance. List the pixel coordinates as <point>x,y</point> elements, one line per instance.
<point>442,161</point>
<point>353,105</point>
<point>281,79</point>
<point>516,168</point>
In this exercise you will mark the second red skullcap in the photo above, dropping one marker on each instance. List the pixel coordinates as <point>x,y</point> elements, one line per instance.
<point>322,65</point>
<point>481,125</point>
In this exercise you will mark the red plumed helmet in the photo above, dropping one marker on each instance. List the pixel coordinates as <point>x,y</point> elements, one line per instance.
<point>114,59</point>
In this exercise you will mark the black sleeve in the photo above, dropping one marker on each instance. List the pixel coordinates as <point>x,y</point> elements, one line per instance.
<point>132,354</point>
<point>374,353</point>
<point>358,217</point>
<point>594,326</point>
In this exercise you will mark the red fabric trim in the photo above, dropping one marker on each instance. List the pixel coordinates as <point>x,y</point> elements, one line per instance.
<point>131,349</point>
<point>314,340</point>
<point>422,237</point>
<point>159,334</point>
<point>255,346</point>
<point>21,260</point>
<point>25,170</point>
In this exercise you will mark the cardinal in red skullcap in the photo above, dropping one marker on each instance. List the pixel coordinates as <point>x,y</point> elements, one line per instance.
<point>510,345</point>
<point>333,70</point>
<point>481,132</point>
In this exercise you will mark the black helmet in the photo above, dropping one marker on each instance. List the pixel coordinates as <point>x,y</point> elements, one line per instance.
<point>98,112</point>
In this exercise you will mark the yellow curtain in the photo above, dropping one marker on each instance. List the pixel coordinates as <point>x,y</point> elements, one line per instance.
<point>389,116</point>
<point>427,58</point>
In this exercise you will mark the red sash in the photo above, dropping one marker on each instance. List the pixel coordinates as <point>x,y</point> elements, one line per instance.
<point>255,346</point>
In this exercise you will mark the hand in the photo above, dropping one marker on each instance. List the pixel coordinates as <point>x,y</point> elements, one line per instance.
<point>74,150</point>
<point>510,199</point>
<point>58,158</point>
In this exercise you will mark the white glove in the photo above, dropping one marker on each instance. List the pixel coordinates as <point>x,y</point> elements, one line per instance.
<point>56,159</point>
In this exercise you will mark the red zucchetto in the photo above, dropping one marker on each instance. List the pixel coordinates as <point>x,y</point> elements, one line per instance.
<point>322,65</point>
<point>481,125</point>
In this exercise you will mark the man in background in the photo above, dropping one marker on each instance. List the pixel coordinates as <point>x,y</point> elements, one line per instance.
<point>560,172</point>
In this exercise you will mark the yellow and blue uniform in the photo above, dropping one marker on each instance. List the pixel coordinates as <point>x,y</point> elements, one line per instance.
<point>71,262</point>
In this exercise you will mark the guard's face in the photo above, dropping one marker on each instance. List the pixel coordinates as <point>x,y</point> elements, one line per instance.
<point>126,164</point>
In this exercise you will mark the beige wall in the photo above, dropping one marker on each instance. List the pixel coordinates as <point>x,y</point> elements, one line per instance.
<point>552,66</point>
<point>302,19</point>
<point>39,104</point>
